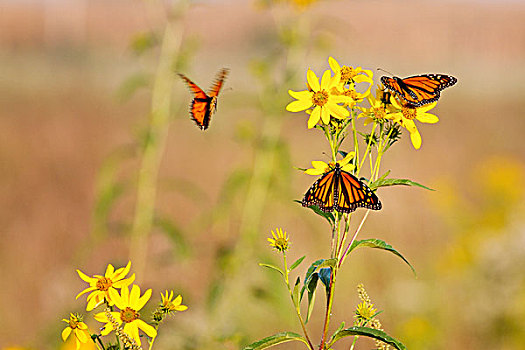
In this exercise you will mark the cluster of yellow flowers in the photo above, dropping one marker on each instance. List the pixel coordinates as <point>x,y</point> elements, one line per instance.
<point>326,101</point>
<point>126,321</point>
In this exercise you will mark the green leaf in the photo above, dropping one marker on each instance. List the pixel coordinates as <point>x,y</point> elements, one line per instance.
<point>312,285</point>
<point>393,182</point>
<point>297,263</point>
<point>272,267</point>
<point>275,339</point>
<point>341,327</point>
<point>328,263</point>
<point>309,273</point>
<point>367,332</point>
<point>325,275</point>
<point>379,244</point>
<point>328,216</point>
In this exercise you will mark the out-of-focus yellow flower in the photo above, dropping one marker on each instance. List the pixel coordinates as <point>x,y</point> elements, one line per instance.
<point>320,167</point>
<point>377,112</point>
<point>169,304</point>
<point>324,97</point>
<point>101,286</point>
<point>78,328</point>
<point>406,115</point>
<point>129,305</point>
<point>279,241</point>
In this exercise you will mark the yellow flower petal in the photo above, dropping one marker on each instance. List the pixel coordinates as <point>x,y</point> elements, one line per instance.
<point>325,114</point>
<point>85,277</point>
<point>65,333</point>
<point>427,118</point>
<point>124,282</point>
<point>86,291</point>
<point>416,139</point>
<point>361,78</point>
<point>346,159</point>
<point>81,335</point>
<point>132,330</point>
<point>301,95</point>
<point>312,80</point>
<point>427,108</point>
<point>315,116</point>
<point>140,302</point>
<point>146,328</point>
<point>299,105</point>
<point>109,271</point>
<point>119,300</point>
<point>326,80</point>
<point>334,65</point>
<point>339,111</point>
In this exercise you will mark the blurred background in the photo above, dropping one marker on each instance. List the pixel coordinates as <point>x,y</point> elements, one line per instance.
<point>76,83</point>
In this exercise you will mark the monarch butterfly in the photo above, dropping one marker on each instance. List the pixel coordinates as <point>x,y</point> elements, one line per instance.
<point>419,90</point>
<point>204,105</point>
<point>339,190</point>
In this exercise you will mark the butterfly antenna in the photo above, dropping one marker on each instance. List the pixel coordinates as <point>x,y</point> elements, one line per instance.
<point>387,72</point>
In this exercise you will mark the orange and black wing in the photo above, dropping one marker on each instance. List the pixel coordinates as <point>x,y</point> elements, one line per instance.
<point>352,193</point>
<point>216,87</point>
<point>201,105</point>
<point>419,90</point>
<point>321,193</point>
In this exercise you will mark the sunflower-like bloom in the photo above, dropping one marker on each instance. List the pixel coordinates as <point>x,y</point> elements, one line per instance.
<point>377,112</point>
<point>324,97</point>
<point>129,305</point>
<point>77,328</point>
<point>406,115</point>
<point>351,75</point>
<point>169,304</point>
<point>279,241</point>
<point>101,286</point>
<point>320,167</point>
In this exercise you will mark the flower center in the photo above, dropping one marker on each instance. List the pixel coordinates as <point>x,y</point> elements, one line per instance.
<point>320,98</point>
<point>351,93</point>
<point>129,315</point>
<point>73,323</point>
<point>409,112</point>
<point>281,244</point>
<point>104,284</point>
<point>347,73</point>
<point>379,113</point>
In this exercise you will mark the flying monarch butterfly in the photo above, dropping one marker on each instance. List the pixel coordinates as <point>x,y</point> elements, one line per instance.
<point>204,105</point>
<point>339,190</point>
<point>419,90</point>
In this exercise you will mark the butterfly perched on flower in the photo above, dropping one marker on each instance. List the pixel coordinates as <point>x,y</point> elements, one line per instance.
<point>339,190</point>
<point>419,90</point>
<point>204,105</point>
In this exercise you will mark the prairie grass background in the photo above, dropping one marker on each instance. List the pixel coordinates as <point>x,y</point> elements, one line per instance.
<point>64,67</point>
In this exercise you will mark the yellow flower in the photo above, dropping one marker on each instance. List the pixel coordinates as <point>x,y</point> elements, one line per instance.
<point>320,167</point>
<point>377,112</point>
<point>129,305</point>
<point>406,115</point>
<point>279,241</point>
<point>351,75</point>
<point>365,311</point>
<point>101,286</point>
<point>78,328</point>
<point>168,305</point>
<point>324,97</point>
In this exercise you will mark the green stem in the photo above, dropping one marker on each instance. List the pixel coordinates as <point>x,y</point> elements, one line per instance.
<point>297,306</point>
<point>356,141</point>
<point>154,146</point>
<point>329,304</point>
<point>368,149</point>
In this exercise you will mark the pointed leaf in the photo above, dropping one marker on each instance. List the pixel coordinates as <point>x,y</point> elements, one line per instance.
<point>325,275</point>
<point>297,263</point>
<point>329,263</point>
<point>379,244</point>
<point>328,216</point>
<point>341,327</point>
<point>312,285</point>
<point>272,267</point>
<point>309,274</point>
<point>393,182</point>
<point>367,332</point>
<point>274,340</point>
